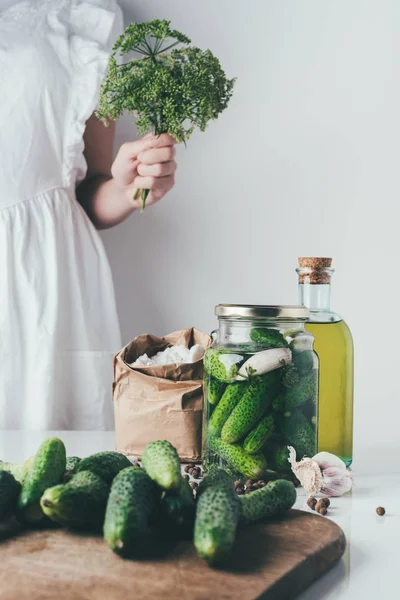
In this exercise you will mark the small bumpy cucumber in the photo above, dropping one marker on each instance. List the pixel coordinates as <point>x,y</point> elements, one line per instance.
<point>290,375</point>
<point>272,500</point>
<point>79,504</point>
<point>309,410</point>
<point>132,502</point>
<point>228,402</point>
<point>70,469</point>
<point>214,390</point>
<point>104,464</point>
<point>9,492</point>
<point>257,437</point>
<point>300,434</point>
<point>161,462</point>
<point>251,466</point>
<point>251,407</point>
<point>217,517</point>
<point>47,470</point>
<point>216,475</point>
<point>279,459</point>
<point>177,511</point>
<point>303,360</point>
<point>269,338</point>
<point>18,470</point>
<point>278,403</point>
<point>222,365</point>
<point>302,392</point>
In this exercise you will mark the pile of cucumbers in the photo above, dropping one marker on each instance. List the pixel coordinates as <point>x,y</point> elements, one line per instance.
<point>134,507</point>
<point>257,405</point>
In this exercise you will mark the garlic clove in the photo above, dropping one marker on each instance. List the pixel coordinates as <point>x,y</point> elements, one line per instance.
<point>307,472</point>
<point>336,482</point>
<point>265,361</point>
<point>309,475</point>
<point>327,475</point>
<point>326,459</point>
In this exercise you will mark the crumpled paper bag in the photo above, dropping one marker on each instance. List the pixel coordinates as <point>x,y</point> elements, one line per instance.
<point>159,402</point>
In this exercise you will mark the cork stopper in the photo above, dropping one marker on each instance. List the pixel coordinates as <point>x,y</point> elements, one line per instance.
<point>315,270</point>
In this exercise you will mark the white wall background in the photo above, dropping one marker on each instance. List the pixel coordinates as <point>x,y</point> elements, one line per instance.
<point>305,161</point>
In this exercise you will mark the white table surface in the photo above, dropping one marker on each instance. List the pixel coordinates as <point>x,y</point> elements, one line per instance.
<point>368,570</point>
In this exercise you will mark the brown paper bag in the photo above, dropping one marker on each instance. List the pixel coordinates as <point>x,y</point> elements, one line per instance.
<point>161,402</point>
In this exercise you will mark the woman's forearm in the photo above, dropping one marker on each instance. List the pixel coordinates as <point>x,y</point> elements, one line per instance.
<point>104,201</point>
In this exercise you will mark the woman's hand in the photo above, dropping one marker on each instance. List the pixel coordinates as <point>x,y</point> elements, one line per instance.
<point>108,189</point>
<point>147,164</point>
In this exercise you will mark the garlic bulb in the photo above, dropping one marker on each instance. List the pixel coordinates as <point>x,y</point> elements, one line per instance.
<point>324,473</point>
<point>264,362</point>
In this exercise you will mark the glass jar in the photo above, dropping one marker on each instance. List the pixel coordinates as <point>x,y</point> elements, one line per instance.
<point>260,391</point>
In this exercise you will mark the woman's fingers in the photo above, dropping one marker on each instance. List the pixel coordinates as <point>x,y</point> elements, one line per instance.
<point>158,193</point>
<point>158,186</point>
<point>154,183</point>
<point>156,155</point>
<point>131,150</point>
<point>157,170</point>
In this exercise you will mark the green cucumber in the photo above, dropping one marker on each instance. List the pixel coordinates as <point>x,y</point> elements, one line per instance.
<point>279,459</point>
<point>303,391</point>
<point>177,511</point>
<point>9,492</point>
<point>303,360</point>
<point>251,466</point>
<point>70,469</point>
<point>161,462</point>
<point>270,501</point>
<point>105,464</point>
<point>213,390</point>
<point>290,375</point>
<point>217,518</point>
<point>251,407</point>
<point>278,403</point>
<point>300,433</point>
<point>132,502</point>
<point>216,475</point>
<point>229,400</point>
<point>18,470</point>
<point>309,410</point>
<point>222,365</point>
<point>257,437</point>
<point>79,504</point>
<point>47,470</point>
<point>268,338</point>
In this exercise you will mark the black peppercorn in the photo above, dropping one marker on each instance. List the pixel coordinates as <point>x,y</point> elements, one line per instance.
<point>325,502</point>
<point>311,502</point>
<point>321,508</point>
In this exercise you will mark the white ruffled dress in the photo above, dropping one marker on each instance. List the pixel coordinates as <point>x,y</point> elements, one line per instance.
<point>58,320</point>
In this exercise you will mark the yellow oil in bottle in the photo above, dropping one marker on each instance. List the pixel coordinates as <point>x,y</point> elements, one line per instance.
<point>334,345</point>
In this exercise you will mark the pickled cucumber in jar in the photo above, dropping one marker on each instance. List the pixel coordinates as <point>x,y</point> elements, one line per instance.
<point>260,391</point>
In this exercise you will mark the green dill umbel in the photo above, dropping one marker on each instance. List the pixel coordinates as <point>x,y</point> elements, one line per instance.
<point>172,87</point>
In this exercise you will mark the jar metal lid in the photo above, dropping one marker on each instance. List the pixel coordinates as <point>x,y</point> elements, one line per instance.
<point>254,311</point>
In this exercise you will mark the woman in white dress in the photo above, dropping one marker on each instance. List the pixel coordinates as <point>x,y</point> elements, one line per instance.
<point>58,184</point>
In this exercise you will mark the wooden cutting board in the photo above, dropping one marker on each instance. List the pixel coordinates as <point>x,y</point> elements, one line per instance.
<point>272,561</point>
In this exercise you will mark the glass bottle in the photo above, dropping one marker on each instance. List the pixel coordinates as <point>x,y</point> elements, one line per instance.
<point>260,391</point>
<point>334,345</point>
